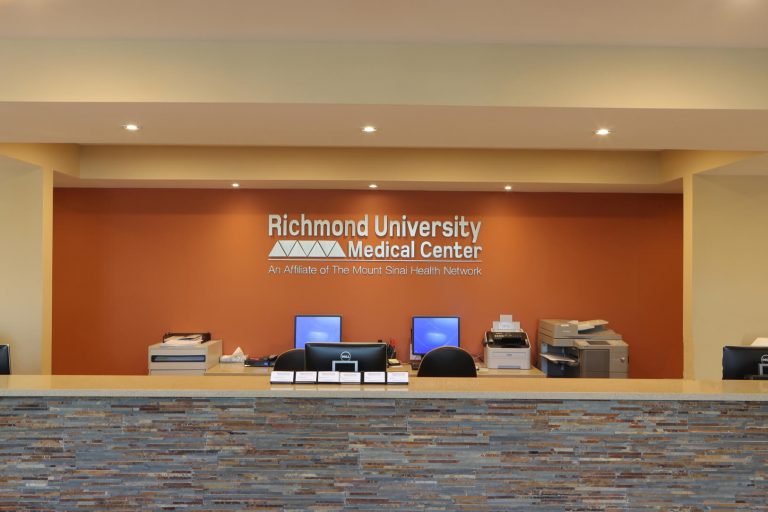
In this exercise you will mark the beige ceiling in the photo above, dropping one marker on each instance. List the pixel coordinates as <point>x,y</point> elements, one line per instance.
<point>702,23</point>
<point>476,74</point>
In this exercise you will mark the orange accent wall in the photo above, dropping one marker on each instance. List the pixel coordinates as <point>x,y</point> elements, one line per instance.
<point>132,264</point>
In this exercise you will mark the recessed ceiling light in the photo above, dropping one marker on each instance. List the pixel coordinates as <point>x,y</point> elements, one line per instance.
<point>369,129</point>
<point>603,132</point>
<point>235,185</point>
<point>131,127</point>
<point>507,187</point>
<point>373,185</point>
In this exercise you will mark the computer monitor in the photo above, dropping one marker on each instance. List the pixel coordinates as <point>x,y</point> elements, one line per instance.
<point>433,332</point>
<point>5,360</point>
<point>316,328</point>
<point>346,357</point>
<point>741,362</point>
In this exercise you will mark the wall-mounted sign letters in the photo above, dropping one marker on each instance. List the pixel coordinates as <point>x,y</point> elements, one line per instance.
<point>376,239</point>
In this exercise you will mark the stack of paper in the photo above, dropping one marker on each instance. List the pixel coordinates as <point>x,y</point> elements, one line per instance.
<point>183,341</point>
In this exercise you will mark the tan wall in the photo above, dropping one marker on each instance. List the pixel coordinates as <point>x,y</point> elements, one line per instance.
<point>25,263</point>
<point>729,277</point>
<point>62,158</point>
<point>688,345</point>
<point>681,163</point>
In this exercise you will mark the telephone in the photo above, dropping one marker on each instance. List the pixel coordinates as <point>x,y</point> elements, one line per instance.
<point>391,351</point>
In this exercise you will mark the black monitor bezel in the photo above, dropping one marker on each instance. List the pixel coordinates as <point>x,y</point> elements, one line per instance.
<point>5,351</point>
<point>740,362</point>
<point>413,329</point>
<point>296,321</point>
<point>311,346</point>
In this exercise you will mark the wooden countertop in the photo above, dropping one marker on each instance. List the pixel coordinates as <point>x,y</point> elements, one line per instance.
<point>497,388</point>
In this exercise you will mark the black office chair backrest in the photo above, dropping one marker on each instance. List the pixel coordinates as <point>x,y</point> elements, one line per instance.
<point>290,361</point>
<point>5,360</point>
<point>447,362</point>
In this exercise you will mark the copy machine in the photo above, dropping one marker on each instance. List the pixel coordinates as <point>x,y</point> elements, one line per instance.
<point>507,346</point>
<point>569,348</point>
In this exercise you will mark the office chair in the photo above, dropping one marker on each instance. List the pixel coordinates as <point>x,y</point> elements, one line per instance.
<point>447,362</point>
<point>5,360</point>
<point>290,361</point>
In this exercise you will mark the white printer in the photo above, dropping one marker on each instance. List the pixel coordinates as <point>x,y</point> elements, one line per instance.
<point>507,346</point>
<point>168,359</point>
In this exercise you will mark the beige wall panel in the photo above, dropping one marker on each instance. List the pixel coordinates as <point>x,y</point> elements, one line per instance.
<point>689,349</point>
<point>367,164</point>
<point>729,272</point>
<point>62,158</point>
<point>680,163</point>
<point>25,258</point>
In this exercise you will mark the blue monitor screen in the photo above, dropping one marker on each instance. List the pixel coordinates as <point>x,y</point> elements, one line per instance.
<point>316,328</point>
<point>433,332</point>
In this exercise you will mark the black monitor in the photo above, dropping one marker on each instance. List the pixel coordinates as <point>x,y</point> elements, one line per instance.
<point>5,360</point>
<point>742,362</point>
<point>431,332</point>
<point>346,357</point>
<point>316,328</point>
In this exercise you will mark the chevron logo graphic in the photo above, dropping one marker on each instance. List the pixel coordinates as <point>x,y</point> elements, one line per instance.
<point>306,249</point>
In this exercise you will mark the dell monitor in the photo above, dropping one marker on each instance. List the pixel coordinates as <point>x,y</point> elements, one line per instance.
<point>316,328</point>
<point>743,362</point>
<point>431,332</point>
<point>346,357</point>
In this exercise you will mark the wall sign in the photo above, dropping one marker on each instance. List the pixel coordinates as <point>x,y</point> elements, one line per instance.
<point>401,245</point>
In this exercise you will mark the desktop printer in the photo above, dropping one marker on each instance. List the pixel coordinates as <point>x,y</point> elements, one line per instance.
<point>507,346</point>
<point>185,359</point>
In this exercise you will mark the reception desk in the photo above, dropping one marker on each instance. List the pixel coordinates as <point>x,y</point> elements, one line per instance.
<point>238,369</point>
<point>229,443</point>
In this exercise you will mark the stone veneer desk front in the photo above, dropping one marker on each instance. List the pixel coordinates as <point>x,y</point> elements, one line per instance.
<point>228,443</point>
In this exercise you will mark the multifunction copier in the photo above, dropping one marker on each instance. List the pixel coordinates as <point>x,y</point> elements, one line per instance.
<point>570,348</point>
<point>507,346</point>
